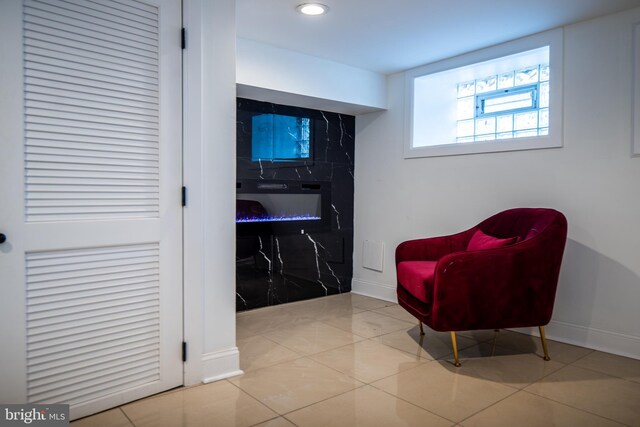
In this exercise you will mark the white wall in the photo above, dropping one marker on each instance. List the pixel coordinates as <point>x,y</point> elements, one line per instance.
<point>269,73</point>
<point>592,179</point>
<point>209,174</point>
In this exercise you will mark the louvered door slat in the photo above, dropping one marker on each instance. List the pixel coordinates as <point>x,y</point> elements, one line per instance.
<point>144,165</point>
<point>101,12</point>
<point>87,111</point>
<point>58,141</point>
<point>134,7</point>
<point>82,78</point>
<point>75,97</point>
<point>41,50</point>
<point>150,19</point>
<point>94,281</point>
<point>97,314</point>
<point>91,188</point>
<point>116,312</point>
<point>52,66</point>
<point>35,361</point>
<point>45,334</point>
<point>92,175</point>
<point>82,361</point>
<point>71,257</point>
<point>43,22</point>
<point>94,343</point>
<point>78,149</point>
<point>90,266</point>
<point>99,68</point>
<point>93,291</point>
<point>106,386</point>
<point>43,39</point>
<point>54,144</point>
<point>39,31</point>
<point>92,336</point>
<point>87,203</point>
<point>78,392</point>
<point>41,197</point>
<point>89,87</point>
<point>75,379</point>
<point>91,116</point>
<point>92,22</point>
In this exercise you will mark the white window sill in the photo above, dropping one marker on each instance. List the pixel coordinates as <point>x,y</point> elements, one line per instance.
<point>494,146</point>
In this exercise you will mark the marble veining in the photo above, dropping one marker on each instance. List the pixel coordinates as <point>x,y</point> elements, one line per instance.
<point>337,215</point>
<point>279,257</point>
<point>315,249</point>
<point>261,169</point>
<point>275,264</point>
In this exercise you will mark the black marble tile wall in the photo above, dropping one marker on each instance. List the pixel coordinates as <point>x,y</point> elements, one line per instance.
<point>276,264</point>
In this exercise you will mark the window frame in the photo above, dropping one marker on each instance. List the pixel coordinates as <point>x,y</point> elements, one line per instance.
<point>553,39</point>
<point>501,93</point>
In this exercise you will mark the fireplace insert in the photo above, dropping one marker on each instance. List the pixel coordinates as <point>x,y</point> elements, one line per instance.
<point>282,207</point>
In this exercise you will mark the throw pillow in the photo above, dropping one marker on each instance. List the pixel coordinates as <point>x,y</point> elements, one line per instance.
<point>481,241</point>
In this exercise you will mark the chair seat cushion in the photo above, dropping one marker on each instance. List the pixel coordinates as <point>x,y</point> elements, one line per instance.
<point>417,278</point>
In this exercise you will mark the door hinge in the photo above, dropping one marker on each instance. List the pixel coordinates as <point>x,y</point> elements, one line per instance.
<point>184,351</point>
<point>183,38</point>
<point>184,196</point>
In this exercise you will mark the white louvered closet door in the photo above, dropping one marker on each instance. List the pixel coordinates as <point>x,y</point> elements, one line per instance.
<point>90,189</point>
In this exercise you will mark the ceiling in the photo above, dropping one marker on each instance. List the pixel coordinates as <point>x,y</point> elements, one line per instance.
<point>388,36</point>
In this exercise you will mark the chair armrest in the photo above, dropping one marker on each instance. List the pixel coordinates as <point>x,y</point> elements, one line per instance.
<point>507,287</point>
<point>433,248</point>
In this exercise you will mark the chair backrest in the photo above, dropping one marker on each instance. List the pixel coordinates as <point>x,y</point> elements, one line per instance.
<point>522,222</point>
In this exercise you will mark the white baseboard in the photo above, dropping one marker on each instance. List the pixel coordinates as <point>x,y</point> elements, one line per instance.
<point>220,365</point>
<point>596,339</point>
<point>374,289</point>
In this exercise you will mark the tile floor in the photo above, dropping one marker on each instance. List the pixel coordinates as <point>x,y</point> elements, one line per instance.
<point>350,360</point>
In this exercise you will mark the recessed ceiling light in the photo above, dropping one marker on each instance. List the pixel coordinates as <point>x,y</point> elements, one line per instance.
<point>312,9</point>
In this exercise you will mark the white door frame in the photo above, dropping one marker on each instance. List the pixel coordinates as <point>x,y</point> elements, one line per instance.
<point>209,158</point>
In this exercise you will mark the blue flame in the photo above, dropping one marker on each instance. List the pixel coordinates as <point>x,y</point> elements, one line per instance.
<point>270,218</point>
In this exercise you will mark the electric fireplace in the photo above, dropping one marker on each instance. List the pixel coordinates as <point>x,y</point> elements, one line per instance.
<point>284,206</point>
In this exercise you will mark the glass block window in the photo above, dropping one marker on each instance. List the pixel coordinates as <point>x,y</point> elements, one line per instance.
<point>504,106</point>
<point>279,138</point>
<point>500,95</point>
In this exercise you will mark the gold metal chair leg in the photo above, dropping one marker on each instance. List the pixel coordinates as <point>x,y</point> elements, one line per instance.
<point>421,330</point>
<point>493,341</point>
<point>455,349</point>
<point>544,343</point>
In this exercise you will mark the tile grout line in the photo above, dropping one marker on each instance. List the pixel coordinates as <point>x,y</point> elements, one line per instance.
<point>320,401</point>
<point>256,399</point>
<point>516,391</point>
<point>582,357</point>
<point>126,416</point>
<point>574,407</point>
<point>281,345</point>
<point>297,409</point>
<point>413,404</point>
<point>600,372</point>
<point>321,351</point>
<point>272,419</point>
<point>378,379</point>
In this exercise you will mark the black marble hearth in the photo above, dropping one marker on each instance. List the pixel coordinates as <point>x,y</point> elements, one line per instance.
<point>295,215</point>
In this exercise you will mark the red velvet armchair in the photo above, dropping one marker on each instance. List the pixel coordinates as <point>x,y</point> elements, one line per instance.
<point>502,273</point>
